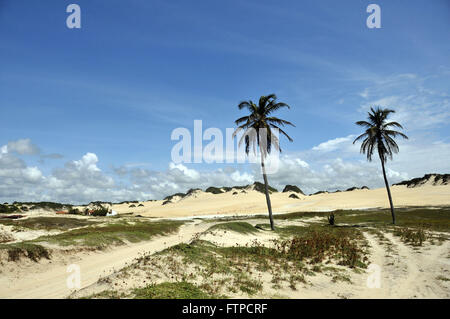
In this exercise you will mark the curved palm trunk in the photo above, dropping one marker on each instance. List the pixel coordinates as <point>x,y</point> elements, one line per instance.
<point>266,190</point>
<point>388,190</point>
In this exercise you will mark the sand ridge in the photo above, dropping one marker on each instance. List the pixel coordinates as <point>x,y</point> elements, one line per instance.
<point>253,202</point>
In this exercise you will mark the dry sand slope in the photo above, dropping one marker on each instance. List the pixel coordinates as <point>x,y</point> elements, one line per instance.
<point>252,202</point>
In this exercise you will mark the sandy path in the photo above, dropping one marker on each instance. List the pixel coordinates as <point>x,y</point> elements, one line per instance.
<point>420,270</point>
<point>405,272</point>
<point>52,282</point>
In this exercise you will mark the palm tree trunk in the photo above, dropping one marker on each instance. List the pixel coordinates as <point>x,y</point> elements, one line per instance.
<point>266,190</point>
<point>388,191</point>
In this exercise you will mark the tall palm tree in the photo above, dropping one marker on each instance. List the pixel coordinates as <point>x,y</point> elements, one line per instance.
<point>258,132</point>
<point>379,135</point>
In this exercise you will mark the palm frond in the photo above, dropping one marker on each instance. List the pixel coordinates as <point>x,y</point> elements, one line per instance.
<point>377,136</point>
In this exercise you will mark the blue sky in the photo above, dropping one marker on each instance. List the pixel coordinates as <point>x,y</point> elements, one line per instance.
<point>136,70</point>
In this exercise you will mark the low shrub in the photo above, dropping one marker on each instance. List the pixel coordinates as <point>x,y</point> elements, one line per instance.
<point>31,251</point>
<point>213,190</point>
<point>331,219</point>
<point>8,209</point>
<point>415,237</point>
<point>171,290</point>
<point>100,211</point>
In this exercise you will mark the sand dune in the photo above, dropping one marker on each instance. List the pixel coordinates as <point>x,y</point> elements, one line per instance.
<point>200,203</point>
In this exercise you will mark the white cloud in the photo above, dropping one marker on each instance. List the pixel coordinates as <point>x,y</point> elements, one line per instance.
<point>32,174</point>
<point>331,165</point>
<point>364,94</point>
<point>88,162</point>
<point>22,147</point>
<point>190,173</point>
<point>333,144</point>
<point>419,102</point>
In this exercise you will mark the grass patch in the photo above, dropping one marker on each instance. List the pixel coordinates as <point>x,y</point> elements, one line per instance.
<point>323,243</point>
<point>8,209</point>
<point>298,215</point>
<point>341,277</point>
<point>114,233</point>
<point>238,227</point>
<point>171,290</point>
<point>414,237</point>
<point>48,223</point>
<point>443,278</point>
<point>28,250</point>
<point>106,294</point>
<point>436,219</point>
<point>44,205</point>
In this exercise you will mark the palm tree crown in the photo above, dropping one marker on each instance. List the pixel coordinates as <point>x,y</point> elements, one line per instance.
<point>260,118</point>
<point>379,134</point>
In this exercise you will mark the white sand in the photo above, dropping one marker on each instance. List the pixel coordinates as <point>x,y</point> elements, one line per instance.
<point>253,202</point>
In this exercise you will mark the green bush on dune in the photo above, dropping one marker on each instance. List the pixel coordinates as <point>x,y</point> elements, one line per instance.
<point>8,209</point>
<point>171,290</point>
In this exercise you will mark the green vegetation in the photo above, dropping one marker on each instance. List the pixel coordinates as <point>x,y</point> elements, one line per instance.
<point>425,218</point>
<point>106,294</point>
<point>182,195</point>
<point>292,188</point>
<point>213,190</point>
<point>171,290</point>
<point>442,278</point>
<point>259,187</point>
<point>44,205</point>
<point>170,197</point>
<point>100,211</point>
<point>331,219</point>
<point>128,202</point>
<point>431,219</point>
<point>322,243</point>
<point>29,250</point>
<point>8,209</point>
<point>48,223</point>
<point>238,227</point>
<point>114,233</point>
<point>415,237</point>
<point>242,188</point>
<point>434,178</point>
<point>74,211</point>
<point>298,215</point>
